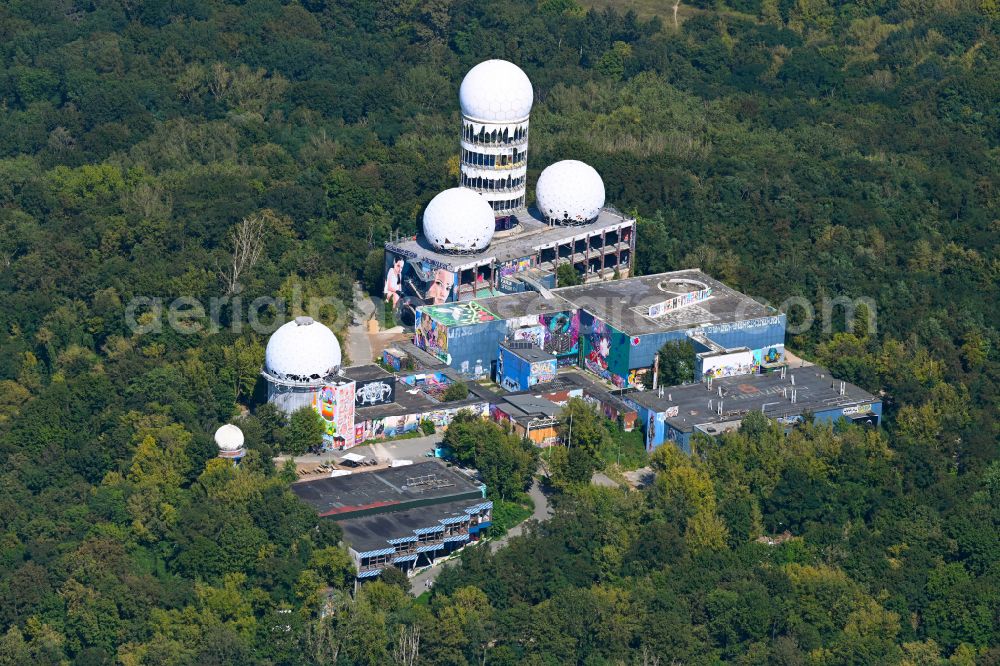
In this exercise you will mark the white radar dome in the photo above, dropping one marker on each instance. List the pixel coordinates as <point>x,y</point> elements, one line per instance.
<point>496,91</point>
<point>229,438</point>
<point>302,351</point>
<point>459,220</point>
<point>569,192</point>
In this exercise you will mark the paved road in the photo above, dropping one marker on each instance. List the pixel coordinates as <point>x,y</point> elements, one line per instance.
<point>359,347</point>
<point>542,512</point>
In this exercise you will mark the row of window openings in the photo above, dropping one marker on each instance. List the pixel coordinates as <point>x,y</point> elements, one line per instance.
<point>496,136</point>
<point>595,263</point>
<point>496,161</point>
<point>507,204</point>
<point>490,184</point>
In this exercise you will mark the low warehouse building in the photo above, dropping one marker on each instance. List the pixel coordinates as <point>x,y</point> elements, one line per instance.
<point>401,516</point>
<point>674,414</point>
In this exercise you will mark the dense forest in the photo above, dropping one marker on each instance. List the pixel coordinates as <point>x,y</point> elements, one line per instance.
<point>816,149</point>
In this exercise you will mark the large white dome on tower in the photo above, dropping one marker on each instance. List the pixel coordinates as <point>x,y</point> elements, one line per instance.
<point>229,438</point>
<point>569,192</point>
<point>460,220</point>
<point>302,351</point>
<point>496,91</point>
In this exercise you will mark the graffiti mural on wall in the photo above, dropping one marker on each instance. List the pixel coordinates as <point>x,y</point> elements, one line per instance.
<point>516,266</point>
<point>541,372</point>
<point>393,426</point>
<point>729,365</point>
<point>431,336</point>
<point>441,287</point>
<point>557,333</point>
<point>562,333</point>
<point>335,405</point>
<point>690,298</point>
<point>606,353</point>
<point>769,355</point>
<point>533,334</point>
<point>637,375</point>
<point>375,392</point>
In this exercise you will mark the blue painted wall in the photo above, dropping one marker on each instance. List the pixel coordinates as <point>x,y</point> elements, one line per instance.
<point>663,433</point>
<point>512,371</point>
<point>833,415</point>
<point>475,346</point>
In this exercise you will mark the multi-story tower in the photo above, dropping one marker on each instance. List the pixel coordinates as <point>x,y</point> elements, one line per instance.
<point>496,98</point>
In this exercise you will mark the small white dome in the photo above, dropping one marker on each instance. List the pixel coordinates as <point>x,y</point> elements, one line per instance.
<point>459,219</point>
<point>569,192</point>
<point>229,438</point>
<point>302,351</point>
<point>496,91</point>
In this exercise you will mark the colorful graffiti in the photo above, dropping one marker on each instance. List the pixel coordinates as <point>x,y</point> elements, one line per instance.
<point>392,358</point>
<point>729,365</point>
<point>533,334</point>
<point>335,405</point>
<point>636,375</point>
<point>769,355</point>
<point>431,336</point>
<point>606,353</point>
<point>394,426</point>
<point>660,309</point>
<point>562,333</point>
<point>458,314</point>
<point>557,333</point>
<point>433,384</point>
<point>541,372</point>
<point>510,267</point>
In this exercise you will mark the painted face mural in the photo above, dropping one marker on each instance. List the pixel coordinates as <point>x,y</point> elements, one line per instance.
<point>441,286</point>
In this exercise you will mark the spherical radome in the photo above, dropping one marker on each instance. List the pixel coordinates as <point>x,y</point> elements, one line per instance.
<point>496,91</point>
<point>229,438</point>
<point>460,220</point>
<point>569,191</point>
<point>302,350</point>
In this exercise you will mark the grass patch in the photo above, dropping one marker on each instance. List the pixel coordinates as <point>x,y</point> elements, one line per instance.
<point>645,9</point>
<point>507,514</point>
<point>424,599</point>
<point>406,435</point>
<point>388,319</point>
<point>627,450</point>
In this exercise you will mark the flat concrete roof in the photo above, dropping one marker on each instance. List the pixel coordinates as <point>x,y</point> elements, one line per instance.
<point>624,303</point>
<point>816,391</point>
<point>361,373</point>
<point>528,352</point>
<point>527,406</point>
<point>527,238</point>
<point>374,532</point>
<point>409,400</point>
<point>385,490</point>
<point>524,304</point>
<point>421,359</point>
